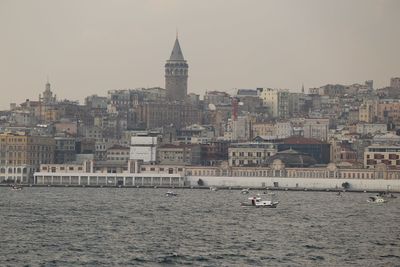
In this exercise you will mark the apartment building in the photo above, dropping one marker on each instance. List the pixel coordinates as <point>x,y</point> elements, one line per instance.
<point>21,154</point>
<point>378,154</point>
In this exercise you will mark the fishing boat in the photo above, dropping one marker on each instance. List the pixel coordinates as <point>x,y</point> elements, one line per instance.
<point>376,199</point>
<point>16,188</point>
<point>257,202</point>
<point>171,194</point>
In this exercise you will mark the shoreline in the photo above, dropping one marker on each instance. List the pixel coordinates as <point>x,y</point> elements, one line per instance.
<point>224,188</point>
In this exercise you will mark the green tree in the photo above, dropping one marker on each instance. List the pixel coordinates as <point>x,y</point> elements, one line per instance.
<point>200,182</point>
<point>346,185</point>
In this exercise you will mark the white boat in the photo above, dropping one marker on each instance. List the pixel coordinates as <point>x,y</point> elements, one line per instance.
<point>171,194</point>
<point>376,199</point>
<point>16,188</point>
<point>245,191</point>
<point>258,202</point>
<point>213,188</point>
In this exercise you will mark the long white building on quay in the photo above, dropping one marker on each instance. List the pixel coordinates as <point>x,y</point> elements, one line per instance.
<point>275,176</point>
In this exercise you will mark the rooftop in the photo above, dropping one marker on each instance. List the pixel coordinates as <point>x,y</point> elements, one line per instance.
<point>299,140</point>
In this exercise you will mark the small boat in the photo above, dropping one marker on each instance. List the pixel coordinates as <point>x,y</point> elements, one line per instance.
<point>213,188</point>
<point>171,194</point>
<point>16,188</point>
<point>245,191</point>
<point>376,199</point>
<point>258,202</point>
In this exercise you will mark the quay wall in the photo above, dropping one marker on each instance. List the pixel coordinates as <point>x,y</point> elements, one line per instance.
<point>148,179</point>
<point>308,183</point>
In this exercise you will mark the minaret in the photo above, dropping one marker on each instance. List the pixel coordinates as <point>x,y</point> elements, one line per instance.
<point>176,74</point>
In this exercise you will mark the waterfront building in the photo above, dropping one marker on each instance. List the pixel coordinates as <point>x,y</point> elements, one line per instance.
<point>21,154</point>
<point>276,175</point>
<point>280,176</point>
<point>176,74</point>
<point>94,174</point>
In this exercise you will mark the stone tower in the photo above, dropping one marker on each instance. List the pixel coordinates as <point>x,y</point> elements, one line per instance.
<point>176,74</point>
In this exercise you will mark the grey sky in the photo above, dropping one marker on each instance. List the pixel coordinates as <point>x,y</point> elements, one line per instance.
<point>90,46</point>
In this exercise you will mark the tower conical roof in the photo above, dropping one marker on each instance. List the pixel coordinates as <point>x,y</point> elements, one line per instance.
<point>176,52</point>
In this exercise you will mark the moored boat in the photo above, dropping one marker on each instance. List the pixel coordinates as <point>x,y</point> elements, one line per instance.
<point>171,194</point>
<point>16,188</point>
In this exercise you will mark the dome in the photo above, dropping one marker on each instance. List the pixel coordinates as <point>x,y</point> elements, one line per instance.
<point>292,159</point>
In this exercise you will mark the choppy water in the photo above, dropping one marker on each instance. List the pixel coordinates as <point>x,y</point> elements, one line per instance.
<point>143,227</point>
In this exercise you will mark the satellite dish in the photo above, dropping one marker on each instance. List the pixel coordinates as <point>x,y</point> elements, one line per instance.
<point>211,107</point>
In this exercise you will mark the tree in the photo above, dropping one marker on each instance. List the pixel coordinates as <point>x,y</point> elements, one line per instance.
<point>200,182</point>
<point>346,185</point>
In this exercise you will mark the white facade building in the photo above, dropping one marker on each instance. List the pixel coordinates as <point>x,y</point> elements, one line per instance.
<point>277,100</point>
<point>143,148</point>
<point>316,128</point>
<point>371,128</point>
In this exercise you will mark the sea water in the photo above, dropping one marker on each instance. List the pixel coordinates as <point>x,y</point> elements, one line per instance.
<point>143,227</point>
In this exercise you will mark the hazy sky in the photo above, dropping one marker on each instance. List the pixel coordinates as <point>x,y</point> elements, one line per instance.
<point>91,46</point>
